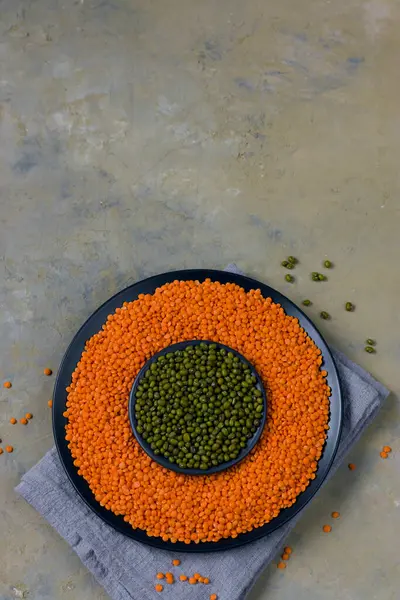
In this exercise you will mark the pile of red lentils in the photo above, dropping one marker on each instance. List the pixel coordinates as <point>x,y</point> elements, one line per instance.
<point>198,508</point>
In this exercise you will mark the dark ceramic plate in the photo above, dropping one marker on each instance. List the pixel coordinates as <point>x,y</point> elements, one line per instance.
<point>164,461</point>
<point>94,324</point>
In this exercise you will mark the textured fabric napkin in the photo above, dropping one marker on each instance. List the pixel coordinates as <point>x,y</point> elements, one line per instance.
<point>126,568</point>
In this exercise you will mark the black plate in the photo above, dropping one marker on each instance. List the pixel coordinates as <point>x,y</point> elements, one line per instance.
<point>164,461</point>
<point>94,324</point>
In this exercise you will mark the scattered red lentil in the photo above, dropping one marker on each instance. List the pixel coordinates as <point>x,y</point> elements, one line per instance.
<point>7,384</point>
<point>352,466</point>
<point>281,565</point>
<point>335,515</point>
<point>196,509</point>
<point>287,550</point>
<point>386,449</point>
<point>23,421</point>
<point>384,454</point>
<point>197,576</point>
<point>13,421</point>
<point>1,450</point>
<point>206,580</point>
<point>28,416</point>
<point>192,580</point>
<point>160,575</point>
<point>176,562</point>
<point>9,449</point>
<point>47,371</point>
<point>327,528</point>
<point>213,597</point>
<point>50,403</point>
<point>169,577</point>
<point>201,579</point>
<point>158,587</point>
<point>183,577</point>
<point>285,556</point>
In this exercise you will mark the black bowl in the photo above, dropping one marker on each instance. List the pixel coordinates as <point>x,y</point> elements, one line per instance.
<point>95,323</point>
<point>161,459</point>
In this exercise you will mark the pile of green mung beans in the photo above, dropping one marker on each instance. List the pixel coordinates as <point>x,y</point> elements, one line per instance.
<point>198,407</point>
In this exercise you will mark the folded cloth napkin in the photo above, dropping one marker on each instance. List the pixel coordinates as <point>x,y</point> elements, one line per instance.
<point>126,569</point>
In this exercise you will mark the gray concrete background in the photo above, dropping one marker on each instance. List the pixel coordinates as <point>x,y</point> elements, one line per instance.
<point>138,137</point>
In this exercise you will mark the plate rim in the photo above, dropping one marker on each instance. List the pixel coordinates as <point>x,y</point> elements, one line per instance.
<point>58,422</point>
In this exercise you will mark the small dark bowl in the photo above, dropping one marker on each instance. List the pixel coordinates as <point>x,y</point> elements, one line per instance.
<point>164,461</point>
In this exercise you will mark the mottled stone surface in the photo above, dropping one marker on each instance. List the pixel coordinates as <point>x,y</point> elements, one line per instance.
<point>138,137</point>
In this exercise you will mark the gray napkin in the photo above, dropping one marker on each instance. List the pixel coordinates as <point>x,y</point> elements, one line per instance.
<point>126,569</point>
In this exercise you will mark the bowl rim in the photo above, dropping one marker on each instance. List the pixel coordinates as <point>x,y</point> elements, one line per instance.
<point>164,462</point>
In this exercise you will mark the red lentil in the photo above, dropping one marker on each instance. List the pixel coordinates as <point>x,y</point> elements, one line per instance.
<point>327,528</point>
<point>9,449</point>
<point>335,515</point>
<point>28,416</point>
<point>13,421</point>
<point>174,506</point>
<point>158,587</point>
<point>7,384</point>
<point>176,562</point>
<point>47,371</point>
<point>386,449</point>
<point>23,421</point>
<point>281,565</point>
